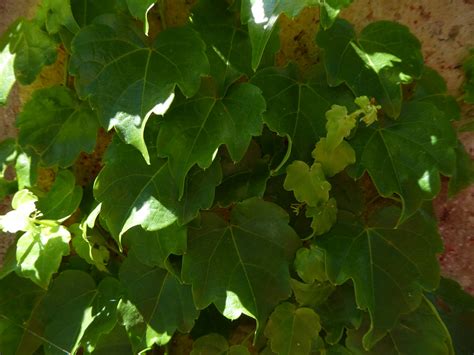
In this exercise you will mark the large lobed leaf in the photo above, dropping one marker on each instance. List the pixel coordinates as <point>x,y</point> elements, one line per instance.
<point>389,266</point>
<point>241,265</point>
<point>406,156</point>
<point>375,63</point>
<point>127,79</point>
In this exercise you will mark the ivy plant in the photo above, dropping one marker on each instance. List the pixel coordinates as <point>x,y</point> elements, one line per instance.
<point>239,207</point>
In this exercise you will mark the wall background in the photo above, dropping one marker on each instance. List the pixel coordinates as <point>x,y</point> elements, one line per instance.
<point>446,30</point>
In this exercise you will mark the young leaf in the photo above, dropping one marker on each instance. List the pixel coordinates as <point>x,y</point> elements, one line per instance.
<point>329,9</point>
<point>57,14</point>
<point>216,344</point>
<point>18,323</point>
<point>134,193</point>
<point>297,108</point>
<point>57,126</point>
<point>292,330</point>
<point>163,301</point>
<point>33,50</point>
<point>338,126</point>
<point>311,295</point>
<point>63,198</point>
<point>335,160</point>
<point>127,80</point>
<point>154,248</point>
<point>405,157</point>
<point>387,266</point>
<point>140,9</point>
<point>241,266</point>
<point>39,252</point>
<point>375,64</point>
<point>420,332</point>
<point>431,87</point>
<point>308,184</point>
<point>7,60</point>
<point>309,264</point>
<point>23,204</point>
<point>324,216</point>
<point>192,130</point>
<point>67,311</point>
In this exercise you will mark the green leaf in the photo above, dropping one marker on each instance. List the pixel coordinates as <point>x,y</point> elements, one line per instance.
<point>420,332</point>
<point>339,312</point>
<point>26,168</point>
<point>154,248</point>
<point>104,313</point>
<point>463,175</point>
<point>116,342</point>
<point>245,179</point>
<point>339,125</point>
<point>431,87</point>
<point>296,107</point>
<point>227,41</point>
<point>329,9</point>
<point>57,14</point>
<point>85,11</point>
<point>67,311</point>
<point>165,304</point>
<point>405,157</point>
<point>216,344</point>
<point>261,18</point>
<point>387,265</point>
<point>308,184</point>
<point>63,199</point>
<point>134,193</point>
<point>292,330</point>
<point>335,160</point>
<point>127,80</point>
<point>309,264</point>
<point>468,67</point>
<point>8,154</point>
<point>33,50</point>
<point>39,252</point>
<point>241,266</point>
<point>324,216</point>
<point>311,295</point>
<point>57,126</point>
<point>90,246</point>
<point>7,60</point>
<point>456,308</point>
<point>140,9</point>
<point>18,325</point>
<point>375,64</point>
<point>192,130</point>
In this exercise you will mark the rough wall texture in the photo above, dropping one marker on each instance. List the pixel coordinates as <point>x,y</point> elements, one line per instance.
<point>446,29</point>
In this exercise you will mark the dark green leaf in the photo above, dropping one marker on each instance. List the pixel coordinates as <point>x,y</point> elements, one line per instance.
<point>420,332</point>
<point>463,175</point>
<point>67,311</point>
<point>63,198</point>
<point>292,330</point>
<point>57,126</point>
<point>139,9</point>
<point>261,18</point>
<point>215,344</point>
<point>134,193</point>
<point>297,108</point>
<point>126,79</point>
<point>85,11</point>
<point>33,49</point>
<point>387,266</point>
<point>19,328</point>
<point>468,67</point>
<point>165,304</point>
<point>375,64</point>
<point>154,248</point>
<point>241,265</point>
<point>406,156</point>
<point>116,342</point>
<point>192,130</point>
<point>456,308</point>
<point>432,88</point>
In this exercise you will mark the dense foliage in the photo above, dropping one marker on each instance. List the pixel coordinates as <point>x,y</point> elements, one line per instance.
<point>259,209</point>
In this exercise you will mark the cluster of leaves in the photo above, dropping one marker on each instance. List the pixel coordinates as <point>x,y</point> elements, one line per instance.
<point>206,212</point>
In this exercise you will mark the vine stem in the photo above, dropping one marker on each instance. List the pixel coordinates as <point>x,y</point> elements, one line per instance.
<point>285,158</point>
